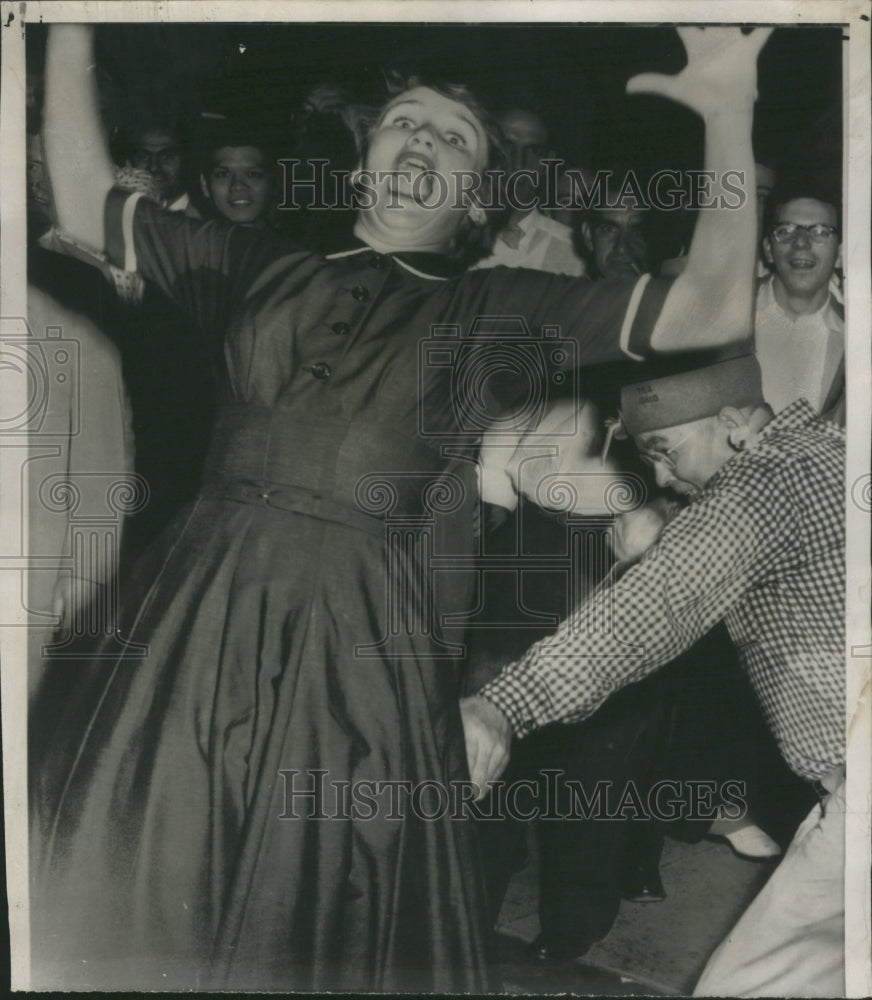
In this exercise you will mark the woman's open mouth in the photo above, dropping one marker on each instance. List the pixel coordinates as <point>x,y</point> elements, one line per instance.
<point>414,177</point>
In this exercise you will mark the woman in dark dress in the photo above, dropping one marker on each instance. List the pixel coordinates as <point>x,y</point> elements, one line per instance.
<point>291,614</point>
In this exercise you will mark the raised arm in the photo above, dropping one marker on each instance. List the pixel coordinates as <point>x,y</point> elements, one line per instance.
<point>711,302</point>
<point>76,151</point>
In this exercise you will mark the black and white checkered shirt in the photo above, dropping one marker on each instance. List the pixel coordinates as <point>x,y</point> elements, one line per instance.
<point>763,548</point>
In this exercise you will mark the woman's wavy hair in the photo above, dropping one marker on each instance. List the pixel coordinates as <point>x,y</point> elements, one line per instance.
<point>472,242</point>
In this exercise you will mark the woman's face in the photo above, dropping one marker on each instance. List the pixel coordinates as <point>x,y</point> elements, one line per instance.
<point>413,184</point>
<point>238,183</point>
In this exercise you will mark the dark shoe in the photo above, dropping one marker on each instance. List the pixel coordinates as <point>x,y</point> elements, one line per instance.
<point>643,885</point>
<point>544,949</point>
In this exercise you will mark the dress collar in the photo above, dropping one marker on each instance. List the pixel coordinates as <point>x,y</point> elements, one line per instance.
<point>435,266</point>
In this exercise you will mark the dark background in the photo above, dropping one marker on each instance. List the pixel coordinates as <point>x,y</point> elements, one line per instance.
<point>573,75</point>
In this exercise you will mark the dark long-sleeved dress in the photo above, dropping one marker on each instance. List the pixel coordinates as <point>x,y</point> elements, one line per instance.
<point>216,810</point>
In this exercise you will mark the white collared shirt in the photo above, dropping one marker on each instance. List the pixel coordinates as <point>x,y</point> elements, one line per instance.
<point>545,245</point>
<point>799,356</point>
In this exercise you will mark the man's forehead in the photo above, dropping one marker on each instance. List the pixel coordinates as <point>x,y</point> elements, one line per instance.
<point>806,210</point>
<point>629,215</point>
<point>155,141</point>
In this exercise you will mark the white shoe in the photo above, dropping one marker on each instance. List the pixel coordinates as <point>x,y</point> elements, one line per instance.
<point>747,841</point>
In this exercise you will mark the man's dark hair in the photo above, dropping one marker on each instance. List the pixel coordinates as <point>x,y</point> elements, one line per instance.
<point>821,187</point>
<point>135,125</point>
<point>616,174</point>
<point>217,133</point>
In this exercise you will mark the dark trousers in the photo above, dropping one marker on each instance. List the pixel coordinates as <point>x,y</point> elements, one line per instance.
<point>694,722</point>
<point>585,842</point>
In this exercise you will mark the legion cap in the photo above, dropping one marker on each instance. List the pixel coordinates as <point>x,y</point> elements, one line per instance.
<point>685,396</point>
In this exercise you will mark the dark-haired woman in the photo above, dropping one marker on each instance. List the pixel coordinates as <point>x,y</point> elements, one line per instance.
<point>258,803</point>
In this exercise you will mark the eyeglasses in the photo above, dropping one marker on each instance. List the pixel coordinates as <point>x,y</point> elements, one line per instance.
<point>652,458</point>
<point>786,232</point>
<point>633,234</point>
<point>145,159</point>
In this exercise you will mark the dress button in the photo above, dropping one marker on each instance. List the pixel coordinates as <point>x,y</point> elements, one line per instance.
<point>321,369</point>
<point>379,262</point>
<point>361,293</point>
<point>343,329</point>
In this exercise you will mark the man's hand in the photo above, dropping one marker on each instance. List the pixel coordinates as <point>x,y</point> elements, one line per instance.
<point>488,738</point>
<point>637,530</point>
<point>720,74</point>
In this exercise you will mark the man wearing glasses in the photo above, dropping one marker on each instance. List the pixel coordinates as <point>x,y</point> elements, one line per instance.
<point>157,149</point>
<point>762,547</point>
<point>799,327</point>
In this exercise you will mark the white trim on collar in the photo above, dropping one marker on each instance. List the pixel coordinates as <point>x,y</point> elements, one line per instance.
<point>420,274</point>
<point>346,253</point>
<point>403,264</point>
<point>630,316</point>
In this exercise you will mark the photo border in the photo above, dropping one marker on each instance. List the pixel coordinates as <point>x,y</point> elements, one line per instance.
<point>856,90</point>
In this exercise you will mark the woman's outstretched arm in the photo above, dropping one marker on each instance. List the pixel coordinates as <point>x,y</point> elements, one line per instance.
<point>76,150</point>
<point>711,302</point>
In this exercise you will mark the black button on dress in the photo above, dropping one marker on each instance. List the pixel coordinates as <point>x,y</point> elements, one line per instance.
<point>292,620</point>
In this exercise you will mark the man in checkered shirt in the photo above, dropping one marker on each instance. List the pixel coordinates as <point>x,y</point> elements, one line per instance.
<point>761,546</point>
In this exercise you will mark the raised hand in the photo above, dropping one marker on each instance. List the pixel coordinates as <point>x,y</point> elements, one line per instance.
<point>720,75</point>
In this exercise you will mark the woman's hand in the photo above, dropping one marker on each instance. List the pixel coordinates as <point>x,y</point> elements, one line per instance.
<point>72,597</point>
<point>720,75</point>
<point>711,303</point>
<point>488,737</point>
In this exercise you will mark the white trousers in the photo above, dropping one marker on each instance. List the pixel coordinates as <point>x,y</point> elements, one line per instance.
<point>790,942</point>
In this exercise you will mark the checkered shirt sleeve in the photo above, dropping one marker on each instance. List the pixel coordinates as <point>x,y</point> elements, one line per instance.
<point>704,562</point>
<point>763,542</point>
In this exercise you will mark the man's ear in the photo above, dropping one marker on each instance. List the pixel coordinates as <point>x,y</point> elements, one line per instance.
<point>587,235</point>
<point>739,433</point>
<point>204,187</point>
<point>767,250</point>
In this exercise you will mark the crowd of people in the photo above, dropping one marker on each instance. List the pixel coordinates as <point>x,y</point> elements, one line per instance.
<point>370,556</point>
